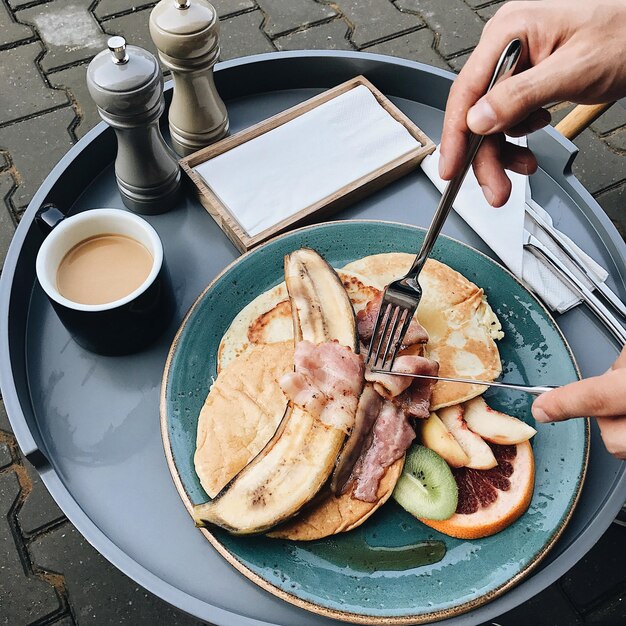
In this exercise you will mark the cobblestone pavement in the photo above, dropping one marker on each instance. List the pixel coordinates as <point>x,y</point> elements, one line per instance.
<point>48,572</point>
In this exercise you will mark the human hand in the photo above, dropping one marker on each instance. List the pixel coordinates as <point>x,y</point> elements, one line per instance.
<point>602,397</point>
<point>572,50</point>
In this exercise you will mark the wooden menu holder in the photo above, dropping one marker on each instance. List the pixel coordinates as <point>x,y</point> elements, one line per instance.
<point>351,192</point>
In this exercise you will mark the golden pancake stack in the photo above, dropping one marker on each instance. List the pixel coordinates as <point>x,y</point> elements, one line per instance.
<point>246,404</point>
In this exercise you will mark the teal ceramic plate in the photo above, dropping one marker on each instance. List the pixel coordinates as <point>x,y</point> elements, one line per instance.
<point>393,569</point>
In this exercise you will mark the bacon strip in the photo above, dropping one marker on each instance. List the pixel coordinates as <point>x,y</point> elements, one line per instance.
<point>327,382</point>
<point>391,436</point>
<point>415,401</point>
<point>368,409</point>
<point>389,386</point>
<point>392,433</point>
<point>366,320</point>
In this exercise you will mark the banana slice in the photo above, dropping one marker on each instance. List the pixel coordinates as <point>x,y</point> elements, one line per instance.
<point>292,468</point>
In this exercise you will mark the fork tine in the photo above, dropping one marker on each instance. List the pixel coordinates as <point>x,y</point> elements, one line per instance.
<point>379,318</point>
<point>397,314</point>
<point>405,327</point>
<point>383,334</point>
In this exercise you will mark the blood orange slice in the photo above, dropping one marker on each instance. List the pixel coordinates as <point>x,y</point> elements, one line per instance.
<point>490,500</point>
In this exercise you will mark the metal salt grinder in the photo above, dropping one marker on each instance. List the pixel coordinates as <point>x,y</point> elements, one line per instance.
<point>127,86</point>
<point>186,35</point>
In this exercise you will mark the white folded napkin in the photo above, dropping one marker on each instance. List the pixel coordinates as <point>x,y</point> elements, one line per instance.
<point>285,170</point>
<point>503,231</point>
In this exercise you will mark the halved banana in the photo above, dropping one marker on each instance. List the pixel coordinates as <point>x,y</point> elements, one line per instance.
<point>295,464</point>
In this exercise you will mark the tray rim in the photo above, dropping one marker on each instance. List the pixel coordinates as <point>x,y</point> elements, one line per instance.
<point>604,513</point>
<point>356,618</point>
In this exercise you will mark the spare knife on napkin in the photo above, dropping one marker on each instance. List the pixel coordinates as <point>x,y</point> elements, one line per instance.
<point>506,229</point>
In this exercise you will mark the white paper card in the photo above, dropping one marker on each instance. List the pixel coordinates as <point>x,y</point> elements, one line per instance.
<point>293,166</point>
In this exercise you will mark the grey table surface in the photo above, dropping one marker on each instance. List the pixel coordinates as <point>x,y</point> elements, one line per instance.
<point>91,445</point>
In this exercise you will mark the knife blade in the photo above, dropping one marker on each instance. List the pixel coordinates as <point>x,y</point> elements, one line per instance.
<point>534,390</point>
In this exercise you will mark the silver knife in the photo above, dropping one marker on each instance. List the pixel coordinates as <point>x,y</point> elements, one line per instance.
<point>534,390</point>
<point>606,317</point>
<point>563,244</point>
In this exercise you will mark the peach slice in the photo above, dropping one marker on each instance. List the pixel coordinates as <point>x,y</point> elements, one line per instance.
<point>479,453</point>
<point>495,426</point>
<point>438,438</point>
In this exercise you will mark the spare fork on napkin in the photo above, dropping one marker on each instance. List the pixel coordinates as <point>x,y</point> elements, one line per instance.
<point>594,274</point>
<point>401,297</point>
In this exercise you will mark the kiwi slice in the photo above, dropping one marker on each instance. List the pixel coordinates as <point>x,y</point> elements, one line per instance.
<point>426,488</point>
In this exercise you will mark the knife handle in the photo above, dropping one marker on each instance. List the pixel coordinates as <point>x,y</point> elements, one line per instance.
<point>580,117</point>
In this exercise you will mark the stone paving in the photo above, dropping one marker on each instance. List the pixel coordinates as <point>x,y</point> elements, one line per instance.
<point>48,573</point>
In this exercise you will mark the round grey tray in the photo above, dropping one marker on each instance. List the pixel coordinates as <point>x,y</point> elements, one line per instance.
<point>90,425</point>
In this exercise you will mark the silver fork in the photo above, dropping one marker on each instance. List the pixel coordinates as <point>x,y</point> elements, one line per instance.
<point>401,297</point>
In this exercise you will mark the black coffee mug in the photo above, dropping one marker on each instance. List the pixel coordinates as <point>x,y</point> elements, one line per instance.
<point>127,324</point>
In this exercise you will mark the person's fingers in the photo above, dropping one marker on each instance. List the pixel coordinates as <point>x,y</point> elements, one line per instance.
<point>513,99</point>
<point>494,155</point>
<point>490,174</point>
<point>473,80</point>
<point>454,136</point>
<point>512,157</point>
<point>518,159</point>
<point>613,431</point>
<point>536,120</point>
<point>599,396</point>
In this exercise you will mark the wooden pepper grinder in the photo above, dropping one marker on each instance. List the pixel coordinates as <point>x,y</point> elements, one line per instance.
<point>186,35</point>
<point>127,86</point>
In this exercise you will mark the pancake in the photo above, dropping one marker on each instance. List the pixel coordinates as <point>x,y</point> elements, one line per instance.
<point>267,319</point>
<point>265,323</point>
<point>454,311</point>
<point>460,323</point>
<point>256,320</point>
<point>241,413</point>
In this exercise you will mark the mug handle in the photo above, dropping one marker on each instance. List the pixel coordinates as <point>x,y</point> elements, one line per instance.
<point>48,217</point>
